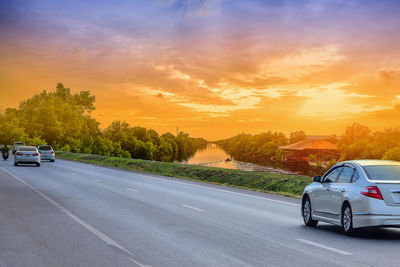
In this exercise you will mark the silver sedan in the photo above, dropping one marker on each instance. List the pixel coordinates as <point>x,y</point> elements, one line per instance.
<point>355,194</point>
<point>27,155</point>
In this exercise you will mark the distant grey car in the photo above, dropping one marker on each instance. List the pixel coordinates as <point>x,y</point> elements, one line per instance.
<point>354,194</point>
<point>46,153</point>
<point>27,155</point>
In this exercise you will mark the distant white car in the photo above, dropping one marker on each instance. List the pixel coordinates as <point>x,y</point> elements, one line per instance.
<point>27,155</point>
<point>46,153</point>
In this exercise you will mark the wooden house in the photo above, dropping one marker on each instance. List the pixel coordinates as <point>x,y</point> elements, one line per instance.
<point>310,149</point>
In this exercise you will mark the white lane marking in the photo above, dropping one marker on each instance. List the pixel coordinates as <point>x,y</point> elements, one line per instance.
<point>86,225</point>
<point>201,186</point>
<point>138,263</point>
<point>324,247</point>
<point>130,189</point>
<point>191,207</point>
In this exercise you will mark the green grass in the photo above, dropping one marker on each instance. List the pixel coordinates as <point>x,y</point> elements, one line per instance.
<point>284,184</point>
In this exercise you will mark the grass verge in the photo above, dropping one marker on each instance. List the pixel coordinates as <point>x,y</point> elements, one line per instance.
<point>284,184</point>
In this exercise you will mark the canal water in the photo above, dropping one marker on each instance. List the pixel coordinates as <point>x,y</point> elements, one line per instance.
<point>214,156</point>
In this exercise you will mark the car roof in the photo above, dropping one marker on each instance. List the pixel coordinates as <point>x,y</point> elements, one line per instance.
<point>373,162</point>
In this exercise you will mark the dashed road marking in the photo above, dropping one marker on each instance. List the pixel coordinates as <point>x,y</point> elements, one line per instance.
<point>130,189</point>
<point>191,207</point>
<point>325,247</point>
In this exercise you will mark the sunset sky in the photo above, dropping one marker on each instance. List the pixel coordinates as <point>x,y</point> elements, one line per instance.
<point>213,68</point>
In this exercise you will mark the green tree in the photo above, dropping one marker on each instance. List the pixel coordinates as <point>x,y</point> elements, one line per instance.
<point>297,136</point>
<point>268,150</point>
<point>259,148</point>
<point>354,142</point>
<point>164,151</point>
<point>10,129</point>
<point>356,132</point>
<point>63,119</point>
<point>392,154</point>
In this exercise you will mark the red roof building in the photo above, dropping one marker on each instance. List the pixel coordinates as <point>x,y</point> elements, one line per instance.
<point>310,150</point>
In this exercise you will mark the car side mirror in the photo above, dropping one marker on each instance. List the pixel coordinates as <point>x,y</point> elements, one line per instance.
<point>317,179</point>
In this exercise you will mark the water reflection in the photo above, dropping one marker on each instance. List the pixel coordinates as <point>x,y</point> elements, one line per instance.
<point>214,156</point>
<point>209,154</point>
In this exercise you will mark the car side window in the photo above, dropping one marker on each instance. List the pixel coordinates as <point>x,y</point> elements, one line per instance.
<point>332,176</point>
<point>355,177</point>
<point>346,175</point>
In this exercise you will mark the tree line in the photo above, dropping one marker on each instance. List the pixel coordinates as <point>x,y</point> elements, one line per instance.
<point>259,148</point>
<point>63,119</point>
<point>357,142</point>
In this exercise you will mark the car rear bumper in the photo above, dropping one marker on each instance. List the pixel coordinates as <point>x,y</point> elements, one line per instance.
<point>365,220</point>
<point>47,157</point>
<point>32,160</point>
<point>27,162</point>
<point>375,212</point>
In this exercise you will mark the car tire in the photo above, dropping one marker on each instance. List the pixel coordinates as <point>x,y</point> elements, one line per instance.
<point>52,160</point>
<point>37,164</point>
<point>347,220</point>
<point>306,212</point>
<point>15,164</point>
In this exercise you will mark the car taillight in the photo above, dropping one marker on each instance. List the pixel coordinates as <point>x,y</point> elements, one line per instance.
<point>372,191</point>
<point>35,154</point>
<point>52,152</point>
<point>18,154</point>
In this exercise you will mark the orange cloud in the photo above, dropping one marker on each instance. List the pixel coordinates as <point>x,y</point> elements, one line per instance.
<point>211,68</point>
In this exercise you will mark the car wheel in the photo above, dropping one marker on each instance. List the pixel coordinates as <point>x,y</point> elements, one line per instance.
<point>347,220</point>
<point>38,164</point>
<point>15,164</point>
<point>52,160</point>
<point>306,212</point>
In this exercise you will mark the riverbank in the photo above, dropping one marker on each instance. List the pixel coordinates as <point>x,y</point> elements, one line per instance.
<point>246,166</point>
<point>284,184</point>
<point>215,156</point>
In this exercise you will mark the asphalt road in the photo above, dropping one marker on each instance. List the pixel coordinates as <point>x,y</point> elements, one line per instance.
<point>74,214</point>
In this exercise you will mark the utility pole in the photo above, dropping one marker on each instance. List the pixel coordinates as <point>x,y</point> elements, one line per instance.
<point>177,131</point>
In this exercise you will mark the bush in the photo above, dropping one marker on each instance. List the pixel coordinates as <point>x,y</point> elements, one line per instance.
<point>392,154</point>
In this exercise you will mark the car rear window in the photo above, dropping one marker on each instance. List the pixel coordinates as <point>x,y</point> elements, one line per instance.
<point>19,143</point>
<point>27,148</point>
<point>383,172</point>
<point>45,148</point>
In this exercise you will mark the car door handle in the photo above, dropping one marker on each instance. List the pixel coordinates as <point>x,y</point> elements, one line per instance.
<point>341,190</point>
